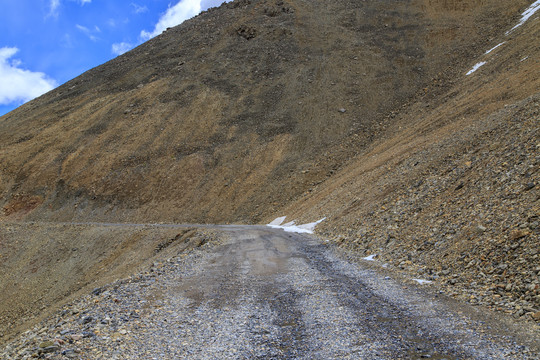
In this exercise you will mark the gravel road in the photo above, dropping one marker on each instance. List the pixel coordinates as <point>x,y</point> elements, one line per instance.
<point>266,294</point>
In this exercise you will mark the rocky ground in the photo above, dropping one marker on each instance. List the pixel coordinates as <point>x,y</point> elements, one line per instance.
<point>260,293</point>
<point>469,221</point>
<point>463,223</point>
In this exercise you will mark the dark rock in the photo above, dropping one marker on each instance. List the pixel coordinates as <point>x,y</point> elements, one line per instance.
<point>97,291</point>
<point>87,320</point>
<point>50,349</point>
<point>247,32</point>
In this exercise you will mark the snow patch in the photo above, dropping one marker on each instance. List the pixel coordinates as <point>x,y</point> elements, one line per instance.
<point>291,227</point>
<point>525,58</point>
<point>531,10</point>
<point>422,282</point>
<point>490,50</point>
<point>370,257</point>
<point>477,66</point>
<point>278,221</point>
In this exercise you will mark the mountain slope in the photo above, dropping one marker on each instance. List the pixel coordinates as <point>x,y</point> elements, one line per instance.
<point>451,192</point>
<point>220,118</point>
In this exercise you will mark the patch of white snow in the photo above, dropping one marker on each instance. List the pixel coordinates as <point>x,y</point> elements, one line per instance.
<point>370,257</point>
<point>476,67</point>
<point>422,282</point>
<point>490,50</point>
<point>525,58</point>
<point>278,221</point>
<point>300,229</point>
<point>311,226</point>
<point>531,10</point>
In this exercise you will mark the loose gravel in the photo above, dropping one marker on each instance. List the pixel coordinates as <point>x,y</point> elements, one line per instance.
<point>265,294</point>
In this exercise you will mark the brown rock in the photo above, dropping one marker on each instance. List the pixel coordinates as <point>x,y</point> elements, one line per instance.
<point>518,234</point>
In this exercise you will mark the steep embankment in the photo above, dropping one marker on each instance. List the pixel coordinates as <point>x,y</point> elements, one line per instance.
<point>43,265</point>
<point>451,191</point>
<point>235,113</point>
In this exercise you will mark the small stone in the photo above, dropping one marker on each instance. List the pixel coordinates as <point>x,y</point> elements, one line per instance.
<point>69,353</point>
<point>87,320</point>
<point>481,228</point>
<point>518,234</point>
<point>536,316</point>
<point>88,334</point>
<point>342,110</point>
<point>50,349</point>
<point>97,291</point>
<point>46,344</point>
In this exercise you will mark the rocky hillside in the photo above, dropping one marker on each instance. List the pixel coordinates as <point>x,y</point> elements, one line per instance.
<point>451,192</point>
<point>237,112</point>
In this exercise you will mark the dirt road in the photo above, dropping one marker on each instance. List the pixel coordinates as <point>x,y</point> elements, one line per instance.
<point>267,294</point>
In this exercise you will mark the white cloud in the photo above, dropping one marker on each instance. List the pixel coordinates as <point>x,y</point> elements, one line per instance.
<point>55,4</point>
<point>19,85</point>
<point>88,32</point>
<point>138,9</point>
<point>53,8</point>
<point>174,15</point>
<point>120,48</point>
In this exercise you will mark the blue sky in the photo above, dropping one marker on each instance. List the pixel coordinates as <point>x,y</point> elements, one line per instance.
<point>44,43</point>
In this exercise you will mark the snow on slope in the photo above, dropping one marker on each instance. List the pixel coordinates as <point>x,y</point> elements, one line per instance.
<point>531,10</point>
<point>476,67</point>
<point>493,48</point>
<point>526,15</point>
<point>292,227</point>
